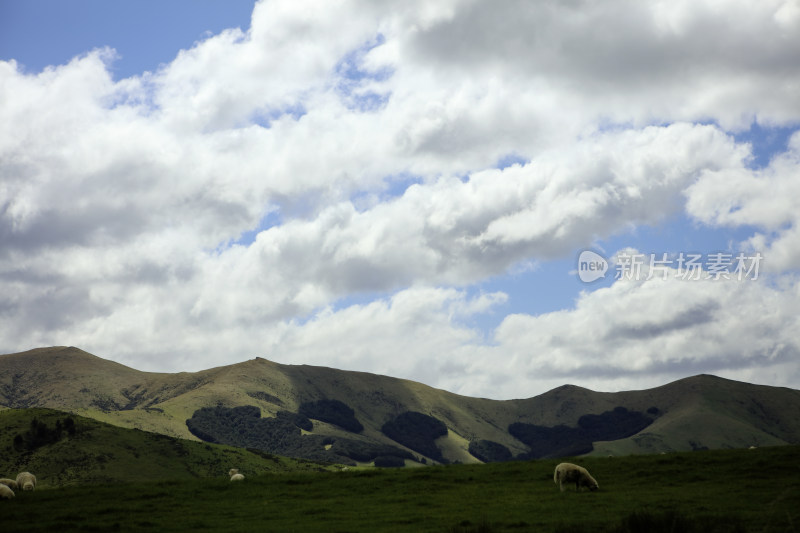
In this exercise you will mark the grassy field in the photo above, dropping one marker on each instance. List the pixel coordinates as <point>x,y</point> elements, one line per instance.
<point>710,491</point>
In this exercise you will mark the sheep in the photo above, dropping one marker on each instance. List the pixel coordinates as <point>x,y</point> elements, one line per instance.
<point>5,492</point>
<point>570,473</point>
<point>10,483</point>
<point>26,481</point>
<point>235,475</point>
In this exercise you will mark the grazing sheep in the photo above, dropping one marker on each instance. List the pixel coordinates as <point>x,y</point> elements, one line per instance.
<point>10,483</point>
<point>570,473</point>
<point>5,492</point>
<point>235,475</point>
<point>26,481</point>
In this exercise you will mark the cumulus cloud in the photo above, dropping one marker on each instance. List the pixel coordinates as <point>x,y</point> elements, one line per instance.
<point>574,65</point>
<point>763,199</point>
<point>123,203</point>
<point>457,232</point>
<point>652,331</point>
<point>416,333</point>
<point>634,334</point>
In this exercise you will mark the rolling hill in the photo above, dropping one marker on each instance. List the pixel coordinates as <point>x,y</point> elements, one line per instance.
<point>65,449</point>
<point>354,417</point>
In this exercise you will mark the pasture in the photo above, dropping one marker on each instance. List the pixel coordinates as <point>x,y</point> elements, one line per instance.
<point>709,491</point>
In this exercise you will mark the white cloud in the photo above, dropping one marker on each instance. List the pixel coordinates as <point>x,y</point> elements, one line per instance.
<point>765,199</point>
<point>627,61</point>
<point>631,335</point>
<point>415,333</point>
<point>458,232</point>
<point>120,201</point>
<point>639,333</point>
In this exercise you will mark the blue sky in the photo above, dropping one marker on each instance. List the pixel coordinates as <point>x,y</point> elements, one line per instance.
<point>145,34</point>
<point>399,191</point>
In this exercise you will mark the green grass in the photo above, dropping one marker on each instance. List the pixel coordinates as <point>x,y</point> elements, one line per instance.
<point>102,453</point>
<point>703,492</point>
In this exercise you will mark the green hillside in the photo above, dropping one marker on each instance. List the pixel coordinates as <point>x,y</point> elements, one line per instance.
<point>730,491</point>
<point>349,411</point>
<point>64,449</point>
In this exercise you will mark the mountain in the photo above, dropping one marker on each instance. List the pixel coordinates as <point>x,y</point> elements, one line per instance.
<point>356,417</point>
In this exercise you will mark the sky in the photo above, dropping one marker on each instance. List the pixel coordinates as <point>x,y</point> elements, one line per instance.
<point>492,198</point>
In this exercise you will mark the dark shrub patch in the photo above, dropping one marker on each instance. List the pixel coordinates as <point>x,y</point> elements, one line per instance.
<point>40,434</point>
<point>417,431</point>
<point>244,427</point>
<point>544,441</point>
<point>297,419</point>
<point>333,412</point>
<point>260,395</point>
<point>489,451</point>
<point>365,451</point>
<point>560,441</point>
<point>389,461</point>
<point>612,425</point>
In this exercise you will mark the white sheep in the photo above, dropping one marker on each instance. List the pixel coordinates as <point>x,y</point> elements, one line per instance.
<point>10,483</point>
<point>26,481</point>
<point>235,475</point>
<point>5,492</point>
<point>570,473</point>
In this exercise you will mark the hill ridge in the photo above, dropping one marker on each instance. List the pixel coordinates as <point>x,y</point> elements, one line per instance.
<point>689,413</point>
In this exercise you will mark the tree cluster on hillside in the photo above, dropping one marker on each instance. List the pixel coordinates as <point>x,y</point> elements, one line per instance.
<point>40,434</point>
<point>561,440</point>
<point>333,412</point>
<point>489,451</point>
<point>389,461</point>
<point>243,427</point>
<point>366,452</point>
<point>266,397</point>
<point>297,419</point>
<point>544,441</point>
<point>418,432</point>
<point>612,425</point>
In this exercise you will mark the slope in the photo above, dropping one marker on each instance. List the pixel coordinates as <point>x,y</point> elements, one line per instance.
<point>693,413</point>
<point>64,449</point>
